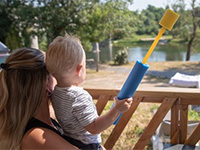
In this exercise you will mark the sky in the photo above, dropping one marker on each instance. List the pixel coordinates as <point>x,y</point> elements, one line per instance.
<point>142,4</point>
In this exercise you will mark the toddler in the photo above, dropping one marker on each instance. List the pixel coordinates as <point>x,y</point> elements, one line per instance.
<point>74,107</point>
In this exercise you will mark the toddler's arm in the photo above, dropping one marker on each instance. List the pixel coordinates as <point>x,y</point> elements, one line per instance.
<point>104,121</point>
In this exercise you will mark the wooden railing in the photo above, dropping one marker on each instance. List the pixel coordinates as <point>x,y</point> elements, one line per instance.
<point>176,99</point>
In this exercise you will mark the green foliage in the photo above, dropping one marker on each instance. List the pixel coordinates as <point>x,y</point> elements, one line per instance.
<point>92,21</point>
<point>137,130</point>
<point>13,40</point>
<point>122,22</point>
<point>58,17</point>
<point>188,24</point>
<point>5,22</point>
<point>149,20</point>
<point>17,19</point>
<point>42,41</point>
<point>121,57</point>
<point>154,108</point>
<point>193,115</point>
<point>87,46</point>
<point>106,19</point>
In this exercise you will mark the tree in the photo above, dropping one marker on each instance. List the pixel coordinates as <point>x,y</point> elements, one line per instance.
<point>195,24</point>
<point>188,24</point>
<point>149,20</point>
<point>120,19</point>
<point>5,22</point>
<point>93,26</point>
<point>55,18</point>
<point>100,20</point>
<point>14,23</point>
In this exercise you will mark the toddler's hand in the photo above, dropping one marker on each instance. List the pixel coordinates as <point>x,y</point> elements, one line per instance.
<point>122,105</point>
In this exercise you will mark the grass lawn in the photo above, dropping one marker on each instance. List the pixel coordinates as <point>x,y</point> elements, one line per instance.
<point>140,38</point>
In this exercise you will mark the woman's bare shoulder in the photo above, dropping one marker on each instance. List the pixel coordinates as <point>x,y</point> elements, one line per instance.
<point>42,138</point>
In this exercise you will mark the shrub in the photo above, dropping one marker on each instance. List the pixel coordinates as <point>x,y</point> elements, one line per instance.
<point>121,57</point>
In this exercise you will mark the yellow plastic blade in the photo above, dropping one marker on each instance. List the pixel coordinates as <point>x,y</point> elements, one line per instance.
<point>169,19</point>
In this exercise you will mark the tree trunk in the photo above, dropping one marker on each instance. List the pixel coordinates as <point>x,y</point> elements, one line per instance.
<point>189,47</point>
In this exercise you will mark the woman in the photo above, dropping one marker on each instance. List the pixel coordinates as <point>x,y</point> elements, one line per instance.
<point>25,91</point>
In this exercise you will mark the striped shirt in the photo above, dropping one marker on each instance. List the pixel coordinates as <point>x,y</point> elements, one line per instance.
<point>74,109</point>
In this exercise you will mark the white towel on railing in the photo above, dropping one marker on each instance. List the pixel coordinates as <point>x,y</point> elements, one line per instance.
<point>185,80</point>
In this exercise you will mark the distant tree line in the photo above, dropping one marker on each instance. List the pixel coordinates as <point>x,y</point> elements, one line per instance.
<point>91,20</point>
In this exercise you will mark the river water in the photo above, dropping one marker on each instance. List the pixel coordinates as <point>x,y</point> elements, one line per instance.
<point>162,52</point>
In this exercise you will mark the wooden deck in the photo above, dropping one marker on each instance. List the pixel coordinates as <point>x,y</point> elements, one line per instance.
<point>175,99</point>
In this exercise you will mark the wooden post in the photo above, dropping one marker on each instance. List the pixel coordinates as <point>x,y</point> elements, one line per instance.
<point>174,135</point>
<point>97,56</point>
<point>183,123</point>
<point>110,48</point>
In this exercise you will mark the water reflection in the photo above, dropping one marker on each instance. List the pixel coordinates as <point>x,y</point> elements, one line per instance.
<point>138,53</point>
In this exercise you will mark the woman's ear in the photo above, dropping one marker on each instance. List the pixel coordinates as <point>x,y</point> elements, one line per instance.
<point>48,90</point>
<point>78,69</point>
<point>51,82</point>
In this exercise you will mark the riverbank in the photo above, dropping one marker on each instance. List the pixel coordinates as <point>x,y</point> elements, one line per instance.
<point>142,38</point>
<point>158,74</point>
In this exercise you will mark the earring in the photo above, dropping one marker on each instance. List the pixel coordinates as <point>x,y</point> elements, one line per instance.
<point>49,94</point>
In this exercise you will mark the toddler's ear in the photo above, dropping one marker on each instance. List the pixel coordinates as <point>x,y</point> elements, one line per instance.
<point>78,69</point>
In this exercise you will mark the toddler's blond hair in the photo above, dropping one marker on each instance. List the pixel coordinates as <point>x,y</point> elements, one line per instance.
<point>63,55</point>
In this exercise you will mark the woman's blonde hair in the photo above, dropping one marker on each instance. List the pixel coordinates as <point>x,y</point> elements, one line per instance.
<point>63,54</point>
<point>22,88</point>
